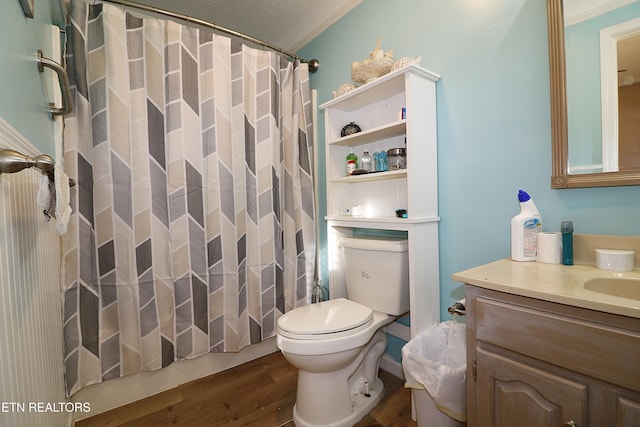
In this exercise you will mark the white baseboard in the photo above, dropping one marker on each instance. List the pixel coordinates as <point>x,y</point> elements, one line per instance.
<point>390,365</point>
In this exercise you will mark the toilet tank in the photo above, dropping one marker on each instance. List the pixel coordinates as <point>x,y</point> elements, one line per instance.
<point>377,273</point>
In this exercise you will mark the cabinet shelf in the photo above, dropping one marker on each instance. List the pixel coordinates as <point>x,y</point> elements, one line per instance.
<point>381,88</point>
<point>387,223</point>
<point>377,176</point>
<point>371,135</point>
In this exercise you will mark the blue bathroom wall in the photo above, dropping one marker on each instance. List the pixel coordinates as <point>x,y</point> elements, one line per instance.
<point>23,103</point>
<point>494,132</point>
<point>582,44</point>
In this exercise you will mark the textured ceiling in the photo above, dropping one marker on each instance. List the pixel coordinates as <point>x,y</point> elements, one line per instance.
<point>288,24</point>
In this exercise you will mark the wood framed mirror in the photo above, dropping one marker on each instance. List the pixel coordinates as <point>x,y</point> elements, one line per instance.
<point>559,118</point>
<point>27,7</point>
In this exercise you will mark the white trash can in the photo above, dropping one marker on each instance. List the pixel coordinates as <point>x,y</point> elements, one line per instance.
<point>435,364</point>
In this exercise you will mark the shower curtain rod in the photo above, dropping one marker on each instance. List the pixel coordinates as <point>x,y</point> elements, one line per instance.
<point>314,64</point>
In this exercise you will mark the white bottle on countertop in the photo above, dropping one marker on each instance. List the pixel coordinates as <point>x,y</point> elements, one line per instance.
<point>524,230</point>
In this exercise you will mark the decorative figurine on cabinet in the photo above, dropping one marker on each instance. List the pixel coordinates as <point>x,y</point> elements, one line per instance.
<point>344,88</point>
<point>378,64</point>
<point>405,61</point>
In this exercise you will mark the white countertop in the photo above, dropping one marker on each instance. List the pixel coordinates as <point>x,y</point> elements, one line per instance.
<point>551,282</point>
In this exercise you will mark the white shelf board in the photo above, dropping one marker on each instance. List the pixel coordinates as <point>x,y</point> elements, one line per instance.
<point>380,88</point>
<point>387,223</point>
<point>371,135</point>
<point>374,176</point>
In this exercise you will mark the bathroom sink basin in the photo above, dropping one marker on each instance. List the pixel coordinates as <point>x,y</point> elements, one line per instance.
<point>615,286</point>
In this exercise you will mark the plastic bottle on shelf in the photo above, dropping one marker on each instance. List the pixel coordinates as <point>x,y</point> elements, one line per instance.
<point>352,162</point>
<point>367,163</point>
<point>524,230</point>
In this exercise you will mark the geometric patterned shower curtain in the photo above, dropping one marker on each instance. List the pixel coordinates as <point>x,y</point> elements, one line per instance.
<point>193,224</point>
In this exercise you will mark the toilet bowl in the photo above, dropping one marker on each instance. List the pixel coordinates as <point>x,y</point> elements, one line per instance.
<point>337,370</point>
<point>337,344</point>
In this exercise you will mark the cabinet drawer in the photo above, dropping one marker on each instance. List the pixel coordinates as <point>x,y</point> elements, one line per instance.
<point>600,351</point>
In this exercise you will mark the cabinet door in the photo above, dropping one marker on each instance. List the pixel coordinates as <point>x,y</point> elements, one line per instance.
<point>627,412</point>
<point>512,393</point>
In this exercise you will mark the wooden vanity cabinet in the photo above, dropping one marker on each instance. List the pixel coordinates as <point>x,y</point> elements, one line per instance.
<point>538,363</point>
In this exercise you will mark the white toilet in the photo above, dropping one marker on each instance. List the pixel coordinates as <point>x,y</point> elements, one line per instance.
<point>337,344</point>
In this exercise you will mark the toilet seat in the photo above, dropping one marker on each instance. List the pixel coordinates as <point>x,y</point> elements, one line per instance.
<point>325,320</point>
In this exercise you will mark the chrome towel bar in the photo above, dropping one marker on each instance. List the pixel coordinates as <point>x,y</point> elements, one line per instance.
<point>63,79</point>
<point>12,161</point>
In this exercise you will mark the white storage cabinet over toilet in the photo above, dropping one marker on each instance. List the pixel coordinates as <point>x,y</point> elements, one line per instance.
<point>377,108</point>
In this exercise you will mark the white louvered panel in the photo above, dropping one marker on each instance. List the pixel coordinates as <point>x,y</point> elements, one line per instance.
<point>31,364</point>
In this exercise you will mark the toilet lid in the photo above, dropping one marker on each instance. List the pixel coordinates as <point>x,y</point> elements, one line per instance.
<point>328,317</point>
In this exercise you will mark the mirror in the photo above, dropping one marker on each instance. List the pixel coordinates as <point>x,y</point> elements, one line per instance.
<point>561,177</point>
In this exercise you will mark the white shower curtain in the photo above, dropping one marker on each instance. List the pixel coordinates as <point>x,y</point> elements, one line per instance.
<point>193,223</point>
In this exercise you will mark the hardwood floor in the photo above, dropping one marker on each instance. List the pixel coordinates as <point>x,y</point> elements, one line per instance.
<point>258,393</point>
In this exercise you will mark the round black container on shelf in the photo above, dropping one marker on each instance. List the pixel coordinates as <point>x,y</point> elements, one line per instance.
<point>350,129</point>
<point>397,158</point>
